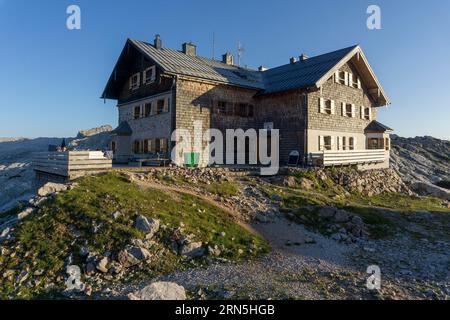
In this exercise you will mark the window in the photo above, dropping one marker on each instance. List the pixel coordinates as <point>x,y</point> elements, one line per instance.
<point>135,81</point>
<point>326,106</point>
<point>160,106</point>
<point>241,110</point>
<point>166,105</point>
<point>163,145</point>
<point>149,75</point>
<point>348,110</point>
<point>251,111</point>
<point>113,146</point>
<point>138,147</point>
<point>325,143</point>
<point>157,145</point>
<point>151,146</point>
<point>137,112</point>
<point>356,82</point>
<point>221,107</point>
<point>373,143</point>
<point>230,109</point>
<point>344,143</point>
<point>387,144</point>
<point>367,113</point>
<point>351,143</point>
<point>341,77</point>
<point>148,109</point>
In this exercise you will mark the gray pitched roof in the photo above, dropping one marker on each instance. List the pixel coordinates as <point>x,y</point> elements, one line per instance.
<point>377,126</point>
<point>123,129</point>
<point>290,76</point>
<point>302,73</point>
<point>176,62</point>
<point>311,72</point>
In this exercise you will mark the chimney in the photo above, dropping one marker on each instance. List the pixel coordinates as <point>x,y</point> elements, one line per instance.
<point>303,57</point>
<point>227,58</point>
<point>190,49</point>
<point>262,68</point>
<point>292,60</point>
<point>157,42</point>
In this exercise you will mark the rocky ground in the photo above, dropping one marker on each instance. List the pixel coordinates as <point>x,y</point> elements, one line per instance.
<point>306,264</point>
<point>16,173</point>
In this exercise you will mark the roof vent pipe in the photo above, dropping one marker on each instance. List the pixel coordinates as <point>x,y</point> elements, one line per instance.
<point>292,60</point>
<point>157,42</point>
<point>303,57</point>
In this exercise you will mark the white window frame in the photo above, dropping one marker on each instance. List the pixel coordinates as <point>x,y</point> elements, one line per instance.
<point>134,85</point>
<point>153,77</point>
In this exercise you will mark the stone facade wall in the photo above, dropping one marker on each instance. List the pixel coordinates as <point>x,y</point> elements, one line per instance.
<point>322,124</point>
<point>196,101</point>
<point>152,127</point>
<point>287,111</point>
<point>199,101</point>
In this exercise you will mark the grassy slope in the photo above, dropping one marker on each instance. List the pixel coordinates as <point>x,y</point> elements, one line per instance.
<point>45,240</point>
<point>326,193</point>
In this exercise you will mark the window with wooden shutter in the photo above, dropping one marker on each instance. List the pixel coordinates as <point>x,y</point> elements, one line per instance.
<point>353,111</point>
<point>327,142</point>
<point>362,112</point>
<point>148,109</point>
<point>166,105</point>
<point>343,109</point>
<point>350,79</point>
<point>149,75</point>
<point>221,107</point>
<point>337,76</point>
<point>137,112</point>
<point>349,110</point>
<point>346,78</point>
<point>145,149</point>
<point>135,81</point>
<point>358,83</point>
<point>321,143</point>
<point>339,143</point>
<point>163,145</point>
<point>351,143</point>
<point>321,105</point>
<point>251,111</point>
<point>367,113</point>
<point>160,106</point>
<point>333,107</point>
<point>151,147</point>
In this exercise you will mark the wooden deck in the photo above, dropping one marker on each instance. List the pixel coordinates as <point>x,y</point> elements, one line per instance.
<point>330,158</point>
<point>70,164</point>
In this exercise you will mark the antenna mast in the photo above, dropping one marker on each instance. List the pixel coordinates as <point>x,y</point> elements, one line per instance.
<point>240,51</point>
<point>213,46</point>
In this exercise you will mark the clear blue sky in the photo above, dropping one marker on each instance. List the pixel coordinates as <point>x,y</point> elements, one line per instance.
<point>51,78</point>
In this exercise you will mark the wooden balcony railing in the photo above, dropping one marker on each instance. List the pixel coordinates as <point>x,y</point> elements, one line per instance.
<point>329,158</point>
<point>70,163</point>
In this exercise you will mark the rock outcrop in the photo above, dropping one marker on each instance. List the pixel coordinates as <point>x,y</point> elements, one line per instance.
<point>424,159</point>
<point>160,291</point>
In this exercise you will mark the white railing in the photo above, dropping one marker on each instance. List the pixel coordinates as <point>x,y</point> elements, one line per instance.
<point>70,162</point>
<point>329,158</point>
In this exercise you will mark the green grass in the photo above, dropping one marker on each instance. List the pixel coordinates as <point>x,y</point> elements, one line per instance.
<point>45,239</point>
<point>401,202</point>
<point>223,188</point>
<point>294,201</point>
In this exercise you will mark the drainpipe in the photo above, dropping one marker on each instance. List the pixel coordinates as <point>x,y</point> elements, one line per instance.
<point>173,110</point>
